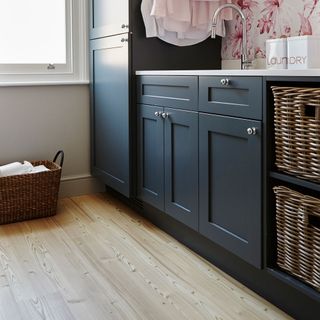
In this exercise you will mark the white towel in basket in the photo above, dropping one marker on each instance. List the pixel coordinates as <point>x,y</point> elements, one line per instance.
<point>17,168</point>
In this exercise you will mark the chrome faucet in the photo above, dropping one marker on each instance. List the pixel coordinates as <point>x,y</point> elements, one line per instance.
<point>245,62</point>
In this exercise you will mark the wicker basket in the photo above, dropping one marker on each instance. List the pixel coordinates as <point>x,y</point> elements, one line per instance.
<point>29,196</point>
<point>297,131</point>
<point>298,235</point>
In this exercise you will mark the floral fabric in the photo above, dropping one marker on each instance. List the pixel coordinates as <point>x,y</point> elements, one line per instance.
<point>270,19</point>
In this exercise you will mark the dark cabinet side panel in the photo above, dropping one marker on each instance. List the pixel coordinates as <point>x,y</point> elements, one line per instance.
<point>150,156</point>
<point>181,166</point>
<point>110,112</point>
<point>230,185</point>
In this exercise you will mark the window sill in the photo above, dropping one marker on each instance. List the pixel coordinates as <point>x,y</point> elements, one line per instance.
<point>43,83</point>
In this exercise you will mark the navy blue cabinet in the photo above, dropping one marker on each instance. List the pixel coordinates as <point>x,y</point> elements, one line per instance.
<point>180,92</point>
<point>230,184</point>
<point>110,111</point>
<point>151,156</point>
<point>181,166</point>
<point>232,96</point>
<point>108,17</point>
<point>168,161</point>
<point>119,47</point>
<point>204,169</point>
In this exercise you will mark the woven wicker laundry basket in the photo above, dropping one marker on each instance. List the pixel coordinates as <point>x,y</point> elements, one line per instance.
<point>30,196</point>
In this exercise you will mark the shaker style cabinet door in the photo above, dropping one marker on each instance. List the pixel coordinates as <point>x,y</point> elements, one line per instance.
<point>110,112</point>
<point>230,184</point>
<point>108,17</point>
<point>151,156</point>
<point>181,166</point>
<point>168,145</point>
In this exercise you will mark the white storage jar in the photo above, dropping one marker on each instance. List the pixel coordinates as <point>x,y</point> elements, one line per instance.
<point>303,52</point>
<point>276,53</point>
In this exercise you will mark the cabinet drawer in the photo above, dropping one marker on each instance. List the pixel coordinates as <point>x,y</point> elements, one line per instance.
<point>179,92</point>
<point>241,96</point>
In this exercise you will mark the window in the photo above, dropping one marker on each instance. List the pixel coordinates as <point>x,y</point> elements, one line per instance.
<point>43,40</point>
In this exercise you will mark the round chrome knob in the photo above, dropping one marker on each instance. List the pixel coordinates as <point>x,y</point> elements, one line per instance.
<point>165,115</point>
<point>252,131</point>
<point>225,82</point>
<point>124,40</point>
<point>157,114</point>
<point>124,26</point>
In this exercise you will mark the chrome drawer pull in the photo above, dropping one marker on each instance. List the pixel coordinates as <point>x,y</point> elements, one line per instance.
<point>252,131</point>
<point>225,82</point>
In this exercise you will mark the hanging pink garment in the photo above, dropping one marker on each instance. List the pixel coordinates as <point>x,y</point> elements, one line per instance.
<point>202,13</point>
<point>189,17</point>
<point>179,10</point>
<point>175,15</point>
<point>183,22</point>
<point>153,28</point>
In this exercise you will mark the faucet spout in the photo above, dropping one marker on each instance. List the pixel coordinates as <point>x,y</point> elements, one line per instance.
<point>213,30</point>
<point>245,62</point>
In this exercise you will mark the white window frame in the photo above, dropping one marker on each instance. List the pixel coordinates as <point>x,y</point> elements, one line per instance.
<point>76,68</point>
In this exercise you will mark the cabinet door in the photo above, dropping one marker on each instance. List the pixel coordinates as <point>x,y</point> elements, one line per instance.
<point>110,112</point>
<point>151,156</point>
<point>108,17</point>
<point>181,166</point>
<point>230,184</point>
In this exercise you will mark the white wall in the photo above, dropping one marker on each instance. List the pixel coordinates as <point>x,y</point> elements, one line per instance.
<point>37,121</point>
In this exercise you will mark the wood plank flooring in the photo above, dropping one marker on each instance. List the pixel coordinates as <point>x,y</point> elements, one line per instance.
<point>97,259</point>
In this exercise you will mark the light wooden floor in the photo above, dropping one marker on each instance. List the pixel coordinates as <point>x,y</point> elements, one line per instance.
<point>97,260</point>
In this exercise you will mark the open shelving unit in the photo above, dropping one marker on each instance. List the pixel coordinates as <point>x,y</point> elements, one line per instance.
<point>286,178</point>
<point>274,177</point>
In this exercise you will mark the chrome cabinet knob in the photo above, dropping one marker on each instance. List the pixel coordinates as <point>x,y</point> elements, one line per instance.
<point>124,40</point>
<point>252,131</point>
<point>125,26</point>
<point>225,82</point>
<point>165,115</point>
<point>157,114</point>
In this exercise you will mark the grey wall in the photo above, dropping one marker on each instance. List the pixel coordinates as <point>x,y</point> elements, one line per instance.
<point>36,121</point>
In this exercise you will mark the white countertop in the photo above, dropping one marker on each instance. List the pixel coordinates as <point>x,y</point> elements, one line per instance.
<point>226,72</point>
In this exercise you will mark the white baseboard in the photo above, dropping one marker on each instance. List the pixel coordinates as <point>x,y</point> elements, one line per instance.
<point>79,185</point>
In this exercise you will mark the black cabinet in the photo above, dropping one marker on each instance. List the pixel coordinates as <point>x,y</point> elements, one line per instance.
<point>110,111</point>
<point>168,161</point>
<point>108,18</point>
<point>230,184</point>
